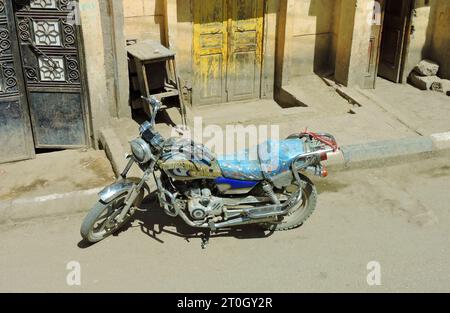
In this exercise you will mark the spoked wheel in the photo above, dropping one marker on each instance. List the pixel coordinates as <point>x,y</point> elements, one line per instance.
<point>101,220</point>
<point>301,208</point>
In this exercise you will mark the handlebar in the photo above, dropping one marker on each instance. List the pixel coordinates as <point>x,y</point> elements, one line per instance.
<point>152,101</point>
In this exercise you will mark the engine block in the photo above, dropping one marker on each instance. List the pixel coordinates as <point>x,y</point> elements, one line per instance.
<point>203,204</point>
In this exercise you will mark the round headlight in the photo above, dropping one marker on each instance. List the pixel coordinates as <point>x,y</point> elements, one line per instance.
<point>141,150</point>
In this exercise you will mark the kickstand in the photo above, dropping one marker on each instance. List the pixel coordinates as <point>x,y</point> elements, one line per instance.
<point>205,238</point>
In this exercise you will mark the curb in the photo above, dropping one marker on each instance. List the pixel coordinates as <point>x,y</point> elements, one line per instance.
<point>388,150</point>
<point>49,205</point>
<point>113,149</point>
<point>115,152</point>
<point>382,150</point>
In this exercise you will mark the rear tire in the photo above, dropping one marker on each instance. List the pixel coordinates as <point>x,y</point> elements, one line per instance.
<point>300,212</point>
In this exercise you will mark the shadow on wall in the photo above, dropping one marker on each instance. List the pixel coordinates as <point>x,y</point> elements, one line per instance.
<point>325,13</point>
<point>431,38</point>
<point>439,47</point>
<point>306,43</point>
<point>184,14</point>
<point>145,19</point>
<point>311,27</point>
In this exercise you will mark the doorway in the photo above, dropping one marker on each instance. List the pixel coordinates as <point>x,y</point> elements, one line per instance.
<point>228,46</point>
<point>42,97</point>
<point>395,39</point>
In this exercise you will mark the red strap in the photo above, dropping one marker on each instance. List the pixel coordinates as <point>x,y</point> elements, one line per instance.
<point>331,143</point>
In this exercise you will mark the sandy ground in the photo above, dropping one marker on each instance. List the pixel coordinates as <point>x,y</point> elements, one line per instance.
<point>398,216</point>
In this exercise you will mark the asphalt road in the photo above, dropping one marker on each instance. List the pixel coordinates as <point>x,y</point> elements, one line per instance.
<point>398,216</point>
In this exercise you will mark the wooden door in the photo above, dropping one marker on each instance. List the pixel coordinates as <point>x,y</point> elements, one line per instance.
<point>373,55</point>
<point>394,38</point>
<point>210,51</point>
<point>244,49</point>
<point>228,36</point>
<point>16,139</point>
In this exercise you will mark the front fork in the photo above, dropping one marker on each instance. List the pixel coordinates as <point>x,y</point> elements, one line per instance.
<point>134,191</point>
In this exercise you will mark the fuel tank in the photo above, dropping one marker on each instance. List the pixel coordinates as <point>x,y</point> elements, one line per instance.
<point>183,159</point>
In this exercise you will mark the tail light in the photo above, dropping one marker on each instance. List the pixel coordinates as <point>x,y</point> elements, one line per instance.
<point>319,170</point>
<point>324,157</point>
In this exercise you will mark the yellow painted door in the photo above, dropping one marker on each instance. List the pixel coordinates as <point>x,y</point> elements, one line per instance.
<point>210,51</point>
<point>228,36</point>
<point>245,27</point>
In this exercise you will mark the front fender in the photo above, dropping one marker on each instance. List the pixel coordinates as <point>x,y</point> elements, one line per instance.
<point>115,190</point>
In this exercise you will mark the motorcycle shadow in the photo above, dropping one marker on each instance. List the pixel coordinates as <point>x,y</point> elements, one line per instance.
<point>153,222</point>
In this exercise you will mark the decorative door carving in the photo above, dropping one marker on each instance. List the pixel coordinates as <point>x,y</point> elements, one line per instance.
<point>49,44</point>
<point>16,139</point>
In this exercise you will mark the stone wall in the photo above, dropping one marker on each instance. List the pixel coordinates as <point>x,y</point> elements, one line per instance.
<point>344,40</point>
<point>145,19</point>
<point>360,42</point>
<point>440,42</point>
<point>311,37</point>
<point>180,31</point>
<point>430,38</point>
<point>94,61</point>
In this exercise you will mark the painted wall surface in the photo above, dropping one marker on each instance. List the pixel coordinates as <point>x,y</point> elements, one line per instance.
<point>430,38</point>
<point>311,36</point>
<point>420,39</point>
<point>359,59</point>
<point>268,73</point>
<point>180,32</point>
<point>440,43</point>
<point>116,67</point>
<point>144,19</point>
<point>94,52</point>
<point>344,40</point>
<point>431,35</point>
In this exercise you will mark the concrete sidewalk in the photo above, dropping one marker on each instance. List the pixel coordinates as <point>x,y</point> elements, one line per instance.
<point>366,127</point>
<point>54,183</point>
<point>319,108</point>
<point>425,112</point>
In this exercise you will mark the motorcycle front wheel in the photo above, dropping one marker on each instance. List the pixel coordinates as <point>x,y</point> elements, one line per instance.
<point>101,220</point>
<point>300,210</point>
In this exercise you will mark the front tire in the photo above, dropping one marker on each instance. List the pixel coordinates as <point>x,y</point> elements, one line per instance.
<point>300,211</point>
<point>100,221</point>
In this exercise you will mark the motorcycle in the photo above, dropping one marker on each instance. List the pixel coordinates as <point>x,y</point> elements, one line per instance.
<point>211,193</point>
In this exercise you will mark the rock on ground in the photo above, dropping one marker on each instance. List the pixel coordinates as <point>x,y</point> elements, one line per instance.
<point>427,68</point>
<point>441,86</point>
<point>423,82</point>
<point>446,86</point>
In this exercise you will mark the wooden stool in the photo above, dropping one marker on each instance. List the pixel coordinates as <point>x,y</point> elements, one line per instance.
<point>156,72</point>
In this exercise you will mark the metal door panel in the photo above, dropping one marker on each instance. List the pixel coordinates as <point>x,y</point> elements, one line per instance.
<point>56,119</point>
<point>50,55</point>
<point>16,139</point>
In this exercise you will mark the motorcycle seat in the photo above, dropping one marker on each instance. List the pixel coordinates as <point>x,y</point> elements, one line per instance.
<point>269,158</point>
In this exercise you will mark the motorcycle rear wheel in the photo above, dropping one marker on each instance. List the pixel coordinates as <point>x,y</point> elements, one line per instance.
<point>100,221</point>
<point>300,211</point>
